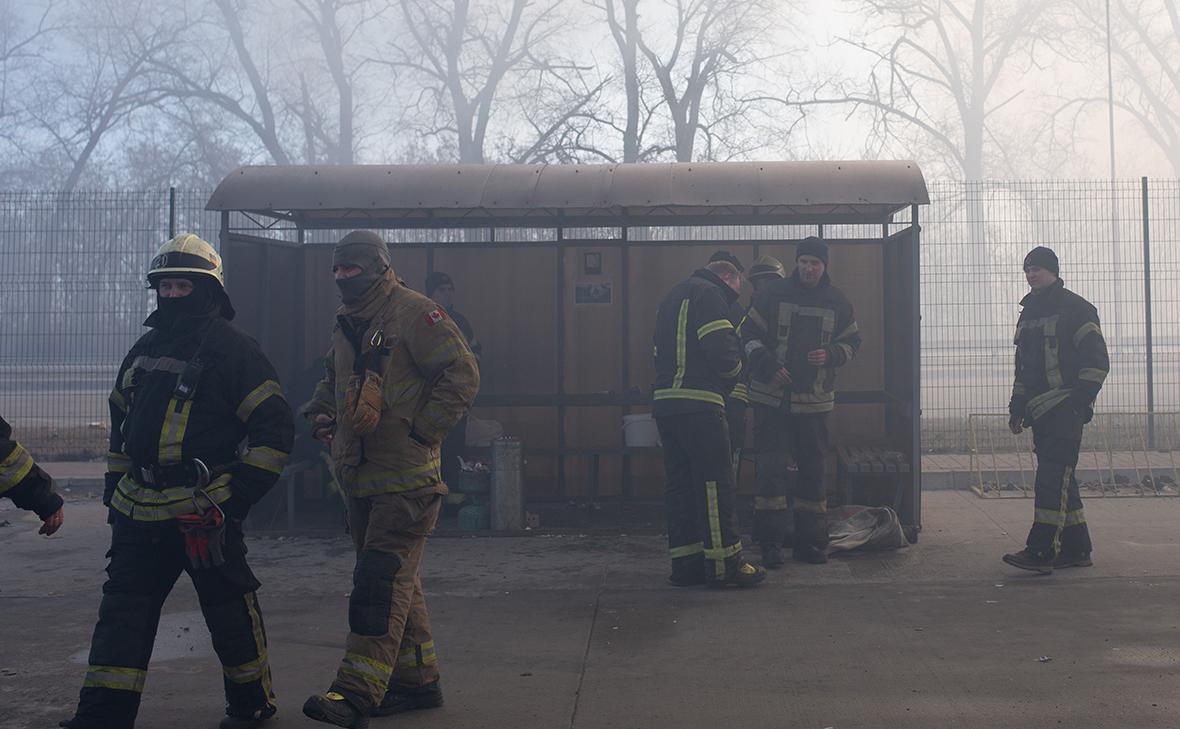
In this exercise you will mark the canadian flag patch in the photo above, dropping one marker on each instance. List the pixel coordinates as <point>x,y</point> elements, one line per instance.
<point>435,317</point>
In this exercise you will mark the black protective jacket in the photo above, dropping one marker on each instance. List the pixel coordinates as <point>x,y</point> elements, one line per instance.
<point>1060,354</point>
<point>22,480</point>
<point>786,321</point>
<point>697,356</point>
<point>235,420</point>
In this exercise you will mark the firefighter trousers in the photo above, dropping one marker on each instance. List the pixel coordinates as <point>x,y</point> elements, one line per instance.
<point>783,514</point>
<point>735,416</point>
<point>699,493</point>
<point>1059,523</point>
<point>389,642</point>
<point>145,562</point>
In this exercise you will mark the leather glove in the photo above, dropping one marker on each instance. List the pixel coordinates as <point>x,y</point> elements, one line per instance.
<point>367,411</point>
<point>204,538</point>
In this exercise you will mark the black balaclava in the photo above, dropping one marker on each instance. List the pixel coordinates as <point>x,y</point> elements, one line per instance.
<point>365,249</point>
<point>206,300</point>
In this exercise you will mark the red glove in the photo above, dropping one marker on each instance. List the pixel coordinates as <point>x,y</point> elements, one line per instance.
<point>204,536</point>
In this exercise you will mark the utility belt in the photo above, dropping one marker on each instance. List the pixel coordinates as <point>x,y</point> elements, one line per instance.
<point>179,474</point>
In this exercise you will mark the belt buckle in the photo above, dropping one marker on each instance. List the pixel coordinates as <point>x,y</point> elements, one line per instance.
<point>146,476</point>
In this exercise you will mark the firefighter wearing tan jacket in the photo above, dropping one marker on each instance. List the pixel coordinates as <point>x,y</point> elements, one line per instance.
<point>399,376</point>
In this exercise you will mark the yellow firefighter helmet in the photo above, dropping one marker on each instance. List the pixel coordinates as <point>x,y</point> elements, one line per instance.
<point>186,254</point>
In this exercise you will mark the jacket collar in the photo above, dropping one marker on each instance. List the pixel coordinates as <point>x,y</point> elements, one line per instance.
<point>729,294</point>
<point>1048,296</point>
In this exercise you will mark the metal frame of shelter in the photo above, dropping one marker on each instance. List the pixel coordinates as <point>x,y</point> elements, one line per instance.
<point>281,206</point>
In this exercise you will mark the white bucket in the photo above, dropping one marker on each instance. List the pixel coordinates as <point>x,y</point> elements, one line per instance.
<point>639,431</point>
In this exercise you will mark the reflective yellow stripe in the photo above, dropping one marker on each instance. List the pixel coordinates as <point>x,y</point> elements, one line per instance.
<point>724,553</point>
<point>118,678</point>
<point>714,326</point>
<point>259,642</point>
<point>1085,330</point>
<point>172,434</point>
<point>1065,479</point>
<point>1092,374</point>
<point>814,507</point>
<point>447,352</point>
<point>256,397</point>
<point>14,468</point>
<point>808,408</point>
<point>116,398</point>
<point>268,459</point>
<point>681,344</point>
<point>737,370</point>
<point>1051,517</point>
<point>849,353</point>
<point>366,669</point>
<point>378,481</point>
<point>754,316</point>
<point>144,504</point>
<point>770,503</point>
<point>159,364</point>
<point>247,672</point>
<point>420,655</point>
<point>851,329</point>
<point>118,463</point>
<point>740,392</point>
<point>714,529</point>
<point>687,550</point>
<point>682,393</point>
<point>1046,401</point>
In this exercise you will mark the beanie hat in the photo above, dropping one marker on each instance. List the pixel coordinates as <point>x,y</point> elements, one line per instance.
<point>1044,258</point>
<point>436,279</point>
<point>728,258</point>
<point>812,246</point>
<point>362,248</point>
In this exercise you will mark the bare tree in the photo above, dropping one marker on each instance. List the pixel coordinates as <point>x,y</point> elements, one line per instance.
<point>938,68</point>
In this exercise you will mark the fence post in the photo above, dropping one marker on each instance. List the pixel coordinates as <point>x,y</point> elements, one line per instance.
<point>1147,320</point>
<point>171,213</point>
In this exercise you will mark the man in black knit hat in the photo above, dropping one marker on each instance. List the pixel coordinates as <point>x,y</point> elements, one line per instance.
<point>798,332</point>
<point>1061,363</point>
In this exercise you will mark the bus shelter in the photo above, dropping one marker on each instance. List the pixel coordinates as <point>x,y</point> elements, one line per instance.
<point>560,269</point>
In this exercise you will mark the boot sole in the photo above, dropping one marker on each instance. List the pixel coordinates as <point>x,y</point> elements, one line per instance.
<point>1073,563</point>
<point>432,704</point>
<point>1040,569</point>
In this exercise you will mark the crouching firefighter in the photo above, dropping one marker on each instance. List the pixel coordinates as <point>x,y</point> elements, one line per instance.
<point>399,376</point>
<point>178,487</point>
<point>697,362</point>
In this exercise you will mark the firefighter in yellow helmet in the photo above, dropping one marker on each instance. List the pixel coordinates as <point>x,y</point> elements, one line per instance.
<point>178,486</point>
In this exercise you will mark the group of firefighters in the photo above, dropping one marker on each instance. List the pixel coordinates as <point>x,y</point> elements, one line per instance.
<point>200,431</point>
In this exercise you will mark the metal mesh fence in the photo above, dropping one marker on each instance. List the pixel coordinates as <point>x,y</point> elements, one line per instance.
<point>73,298</point>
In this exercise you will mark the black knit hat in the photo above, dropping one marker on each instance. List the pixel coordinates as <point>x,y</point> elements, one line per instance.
<point>812,246</point>
<point>1044,258</point>
<point>728,258</point>
<point>436,279</point>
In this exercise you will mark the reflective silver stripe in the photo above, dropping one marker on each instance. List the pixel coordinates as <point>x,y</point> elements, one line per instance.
<point>118,463</point>
<point>687,550</point>
<point>268,459</point>
<point>256,397</point>
<point>815,507</point>
<point>118,678</point>
<point>172,434</point>
<point>713,326</point>
<point>753,346</point>
<point>144,504</point>
<point>159,364</point>
<point>1092,374</point>
<point>247,672</point>
<point>770,503</point>
<point>366,669</point>
<point>420,655</point>
<point>14,468</point>
<point>1084,331</point>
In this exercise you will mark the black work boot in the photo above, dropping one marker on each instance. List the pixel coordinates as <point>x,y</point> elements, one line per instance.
<point>410,698</point>
<point>333,708</point>
<point>235,719</point>
<point>738,574</point>
<point>810,554</point>
<point>1032,561</point>
<point>687,572</point>
<point>772,556</point>
<point>1075,559</point>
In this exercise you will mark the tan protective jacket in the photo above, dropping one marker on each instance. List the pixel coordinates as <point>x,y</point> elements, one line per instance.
<point>426,378</point>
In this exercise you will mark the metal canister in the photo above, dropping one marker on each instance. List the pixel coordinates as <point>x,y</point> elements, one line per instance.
<point>507,484</point>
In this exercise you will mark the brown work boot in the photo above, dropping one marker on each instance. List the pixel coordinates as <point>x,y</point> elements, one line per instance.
<point>1077,559</point>
<point>1032,561</point>
<point>743,574</point>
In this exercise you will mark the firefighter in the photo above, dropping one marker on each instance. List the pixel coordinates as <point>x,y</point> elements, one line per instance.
<point>178,486</point>
<point>698,360</point>
<point>29,487</point>
<point>399,376</point>
<point>738,399</point>
<point>1061,363</point>
<point>798,332</point>
<point>441,287</point>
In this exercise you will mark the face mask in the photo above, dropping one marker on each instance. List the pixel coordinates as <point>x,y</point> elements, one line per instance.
<point>199,303</point>
<point>353,289</point>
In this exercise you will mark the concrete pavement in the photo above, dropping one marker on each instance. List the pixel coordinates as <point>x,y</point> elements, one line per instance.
<point>565,631</point>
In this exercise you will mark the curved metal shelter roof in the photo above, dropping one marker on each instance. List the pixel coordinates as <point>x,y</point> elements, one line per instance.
<point>706,193</point>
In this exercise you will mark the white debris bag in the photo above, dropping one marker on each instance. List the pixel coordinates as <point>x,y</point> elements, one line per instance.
<point>866,528</point>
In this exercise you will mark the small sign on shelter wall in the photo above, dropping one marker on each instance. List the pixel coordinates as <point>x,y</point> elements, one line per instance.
<point>598,292</point>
